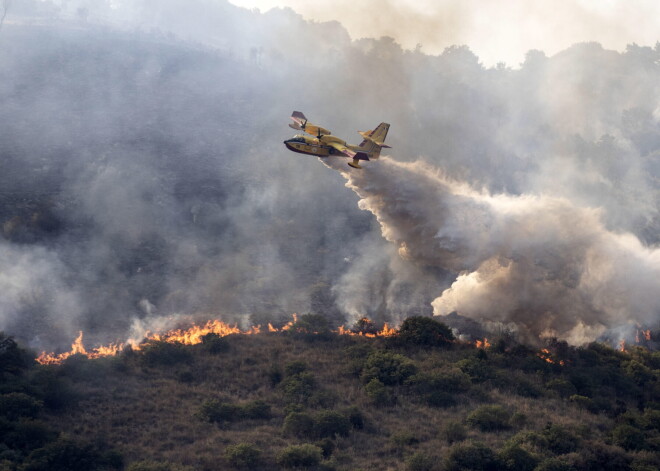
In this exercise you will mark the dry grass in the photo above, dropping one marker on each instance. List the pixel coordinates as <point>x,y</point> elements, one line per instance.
<point>149,412</point>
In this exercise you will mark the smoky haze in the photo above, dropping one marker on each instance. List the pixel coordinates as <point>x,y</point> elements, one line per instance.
<point>143,179</point>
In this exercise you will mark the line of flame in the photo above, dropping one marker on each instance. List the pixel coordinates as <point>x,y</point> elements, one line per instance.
<point>190,336</point>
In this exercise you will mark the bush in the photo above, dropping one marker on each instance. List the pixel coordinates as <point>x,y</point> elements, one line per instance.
<point>243,455</point>
<point>26,435</point>
<point>218,412</point>
<point>298,424</point>
<point>165,353</point>
<point>472,457</point>
<point>364,326</point>
<point>255,410</point>
<point>559,439</point>
<point>377,393</point>
<point>355,417</point>
<point>562,387</point>
<point>478,370</point>
<point>148,465</point>
<point>489,418</point>
<point>295,367</point>
<point>421,462</point>
<point>628,437</point>
<point>440,399</point>
<point>388,368</point>
<point>331,424</point>
<point>419,330</point>
<point>554,464</point>
<point>311,327</point>
<point>403,439</point>
<point>298,388</point>
<point>515,458</point>
<point>15,405</point>
<point>214,343</point>
<point>67,455</point>
<point>454,381</point>
<point>454,432</point>
<point>300,456</point>
<point>12,358</point>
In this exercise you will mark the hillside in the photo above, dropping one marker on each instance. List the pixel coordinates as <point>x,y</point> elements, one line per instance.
<point>417,400</point>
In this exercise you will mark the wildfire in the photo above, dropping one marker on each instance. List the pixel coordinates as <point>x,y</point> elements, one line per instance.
<point>482,343</point>
<point>622,345</point>
<point>190,336</point>
<point>546,355</point>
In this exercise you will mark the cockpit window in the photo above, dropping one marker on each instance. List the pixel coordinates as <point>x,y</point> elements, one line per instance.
<point>298,138</point>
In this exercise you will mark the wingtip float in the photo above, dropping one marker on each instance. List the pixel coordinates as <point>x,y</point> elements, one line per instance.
<point>324,144</point>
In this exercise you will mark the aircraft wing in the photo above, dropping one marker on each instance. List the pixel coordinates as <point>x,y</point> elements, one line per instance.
<point>348,152</point>
<point>301,123</point>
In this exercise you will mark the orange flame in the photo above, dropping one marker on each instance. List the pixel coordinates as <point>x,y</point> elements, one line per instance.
<point>546,355</point>
<point>190,336</point>
<point>622,345</point>
<point>482,343</point>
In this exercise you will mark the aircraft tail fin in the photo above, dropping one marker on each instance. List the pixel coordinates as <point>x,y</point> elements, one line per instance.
<point>374,140</point>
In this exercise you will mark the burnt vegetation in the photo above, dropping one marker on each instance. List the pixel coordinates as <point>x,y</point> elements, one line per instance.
<point>283,401</point>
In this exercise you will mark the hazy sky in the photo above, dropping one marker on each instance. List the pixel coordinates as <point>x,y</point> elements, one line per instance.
<point>496,30</point>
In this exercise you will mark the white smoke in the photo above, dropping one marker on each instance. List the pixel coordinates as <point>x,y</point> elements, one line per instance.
<point>541,262</point>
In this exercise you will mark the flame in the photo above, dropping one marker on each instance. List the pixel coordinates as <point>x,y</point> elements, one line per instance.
<point>190,336</point>
<point>622,345</point>
<point>546,355</point>
<point>647,334</point>
<point>482,343</point>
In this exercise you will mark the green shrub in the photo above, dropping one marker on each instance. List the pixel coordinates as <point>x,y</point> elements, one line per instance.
<point>223,412</point>
<point>243,455</point>
<point>255,410</point>
<point>419,330</point>
<point>478,370</point>
<point>26,434</point>
<point>67,455</point>
<point>471,457</point>
<point>331,424</point>
<point>583,402</point>
<point>15,405</point>
<point>218,412</point>
<point>295,367</point>
<point>562,387</point>
<point>559,439</point>
<point>165,353</point>
<point>554,464</point>
<point>355,417</point>
<point>389,368</point>
<point>454,432</point>
<point>453,381</point>
<point>377,393</point>
<point>215,343</point>
<point>298,388</point>
<point>628,437</point>
<point>300,456</point>
<point>421,462</point>
<point>515,458</point>
<point>274,375</point>
<point>13,359</point>
<point>327,445</point>
<point>364,326</point>
<point>440,399</point>
<point>489,418</point>
<point>403,439</point>
<point>148,465</point>
<point>298,424</point>
<point>311,327</point>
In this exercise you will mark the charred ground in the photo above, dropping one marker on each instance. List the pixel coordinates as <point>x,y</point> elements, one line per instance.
<point>324,401</point>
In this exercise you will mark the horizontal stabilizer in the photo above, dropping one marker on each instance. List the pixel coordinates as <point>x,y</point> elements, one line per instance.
<point>295,126</point>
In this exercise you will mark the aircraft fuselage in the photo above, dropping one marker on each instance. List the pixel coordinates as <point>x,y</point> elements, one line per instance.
<point>313,145</point>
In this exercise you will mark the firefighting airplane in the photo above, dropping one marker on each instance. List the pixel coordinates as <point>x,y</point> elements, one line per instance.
<point>324,144</point>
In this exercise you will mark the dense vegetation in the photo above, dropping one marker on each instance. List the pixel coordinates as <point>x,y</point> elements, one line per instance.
<point>299,400</point>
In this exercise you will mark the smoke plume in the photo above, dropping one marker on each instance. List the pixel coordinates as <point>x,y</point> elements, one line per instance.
<point>540,262</point>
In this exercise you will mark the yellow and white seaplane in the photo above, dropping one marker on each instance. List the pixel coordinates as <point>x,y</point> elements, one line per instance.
<point>324,144</point>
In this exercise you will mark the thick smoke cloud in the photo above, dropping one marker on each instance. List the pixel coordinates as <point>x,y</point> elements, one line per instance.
<point>143,180</point>
<point>547,266</point>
